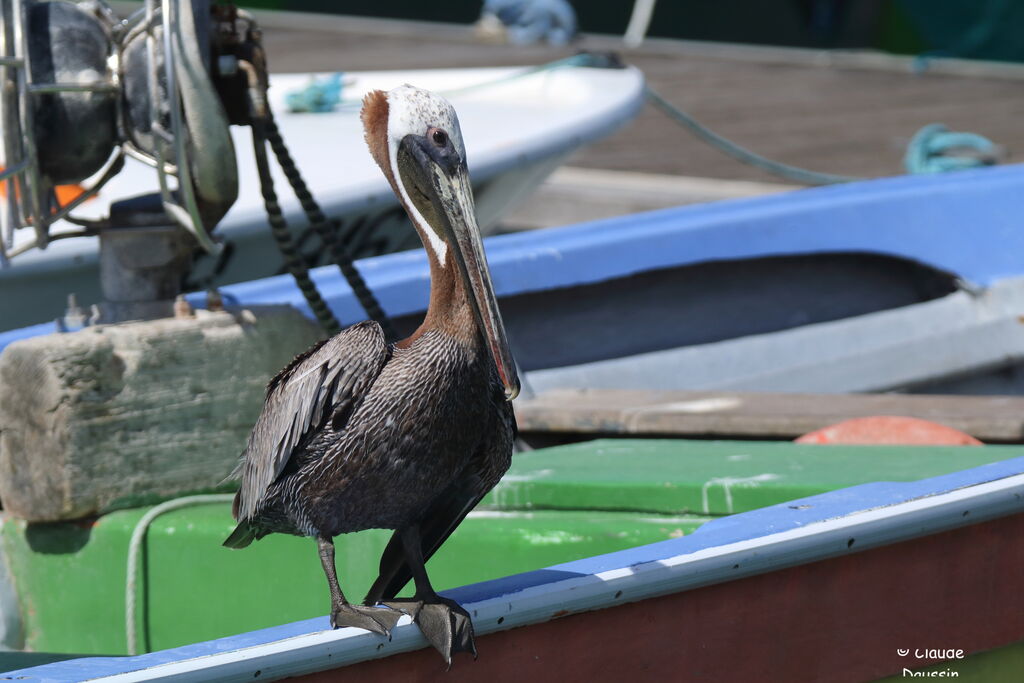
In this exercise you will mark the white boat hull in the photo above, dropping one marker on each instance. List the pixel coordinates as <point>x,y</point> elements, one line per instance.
<point>519,125</point>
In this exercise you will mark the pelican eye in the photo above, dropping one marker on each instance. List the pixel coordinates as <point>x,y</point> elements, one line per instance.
<point>439,137</point>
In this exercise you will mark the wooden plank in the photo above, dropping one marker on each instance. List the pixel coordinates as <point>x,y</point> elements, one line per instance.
<point>757,415</point>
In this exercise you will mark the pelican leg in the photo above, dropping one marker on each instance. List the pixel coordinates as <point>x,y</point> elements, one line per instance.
<point>343,613</point>
<point>443,622</point>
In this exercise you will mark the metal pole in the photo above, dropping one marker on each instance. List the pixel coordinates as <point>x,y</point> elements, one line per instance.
<point>141,270</point>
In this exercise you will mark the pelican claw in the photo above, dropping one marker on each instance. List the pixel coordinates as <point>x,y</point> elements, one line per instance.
<point>443,622</point>
<point>374,619</point>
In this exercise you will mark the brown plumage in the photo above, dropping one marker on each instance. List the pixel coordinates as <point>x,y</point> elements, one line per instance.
<point>359,434</point>
<point>374,116</point>
<point>364,435</point>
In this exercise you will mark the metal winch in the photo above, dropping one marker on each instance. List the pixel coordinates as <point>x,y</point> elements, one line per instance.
<point>82,89</point>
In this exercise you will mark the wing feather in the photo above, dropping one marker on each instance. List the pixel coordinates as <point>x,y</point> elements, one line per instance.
<point>446,512</point>
<point>440,519</point>
<point>324,382</point>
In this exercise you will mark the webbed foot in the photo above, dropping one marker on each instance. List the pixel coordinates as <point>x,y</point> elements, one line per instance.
<point>442,622</point>
<point>377,619</point>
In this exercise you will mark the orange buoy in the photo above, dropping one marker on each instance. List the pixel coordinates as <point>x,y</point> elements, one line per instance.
<point>888,429</point>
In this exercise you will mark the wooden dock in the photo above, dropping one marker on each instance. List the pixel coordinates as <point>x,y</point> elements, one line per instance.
<point>842,113</point>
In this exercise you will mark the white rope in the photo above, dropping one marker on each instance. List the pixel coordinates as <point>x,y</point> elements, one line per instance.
<point>135,544</point>
<point>639,21</point>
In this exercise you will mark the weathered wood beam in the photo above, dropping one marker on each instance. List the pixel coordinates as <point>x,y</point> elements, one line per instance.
<point>756,415</point>
<point>117,415</point>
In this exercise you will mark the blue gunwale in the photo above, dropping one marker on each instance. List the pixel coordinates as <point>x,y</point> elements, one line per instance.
<point>988,492</point>
<point>964,223</point>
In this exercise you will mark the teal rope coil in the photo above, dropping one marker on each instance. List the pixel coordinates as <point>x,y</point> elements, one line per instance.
<point>320,95</point>
<point>931,150</point>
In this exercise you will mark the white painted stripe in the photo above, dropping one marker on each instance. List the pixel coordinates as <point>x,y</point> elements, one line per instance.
<point>816,541</point>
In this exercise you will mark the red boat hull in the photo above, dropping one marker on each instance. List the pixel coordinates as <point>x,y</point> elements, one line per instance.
<point>842,619</point>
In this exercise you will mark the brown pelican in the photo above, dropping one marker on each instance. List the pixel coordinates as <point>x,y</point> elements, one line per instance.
<point>357,433</point>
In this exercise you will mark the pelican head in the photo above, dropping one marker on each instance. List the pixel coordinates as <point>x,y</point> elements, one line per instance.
<point>414,137</point>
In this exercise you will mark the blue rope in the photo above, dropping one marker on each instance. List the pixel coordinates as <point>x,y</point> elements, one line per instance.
<point>930,150</point>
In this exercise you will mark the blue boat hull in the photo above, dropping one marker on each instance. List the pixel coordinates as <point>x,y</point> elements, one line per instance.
<point>682,298</point>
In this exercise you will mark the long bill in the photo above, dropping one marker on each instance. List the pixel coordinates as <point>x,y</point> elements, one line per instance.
<point>456,197</point>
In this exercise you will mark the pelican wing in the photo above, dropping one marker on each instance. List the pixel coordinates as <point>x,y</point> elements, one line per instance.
<point>447,510</point>
<point>322,385</point>
<point>439,521</point>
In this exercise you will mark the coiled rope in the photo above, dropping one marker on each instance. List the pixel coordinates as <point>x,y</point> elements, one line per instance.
<point>929,150</point>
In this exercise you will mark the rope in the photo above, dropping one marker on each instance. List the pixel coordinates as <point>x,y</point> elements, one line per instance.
<point>324,230</point>
<point>319,95</point>
<point>930,150</point>
<point>742,154</point>
<point>279,229</point>
<point>131,618</point>
<point>594,60</point>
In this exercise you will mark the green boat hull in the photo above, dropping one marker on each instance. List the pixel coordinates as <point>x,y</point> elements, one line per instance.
<point>555,505</point>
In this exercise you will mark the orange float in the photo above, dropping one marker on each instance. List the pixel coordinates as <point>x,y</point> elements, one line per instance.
<point>889,429</point>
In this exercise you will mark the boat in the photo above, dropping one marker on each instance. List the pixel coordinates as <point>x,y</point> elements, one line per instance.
<point>910,283</point>
<point>514,143</point>
<point>806,562</point>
